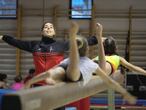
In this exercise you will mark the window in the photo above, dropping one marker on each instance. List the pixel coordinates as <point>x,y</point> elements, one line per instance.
<point>8,8</point>
<point>81,9</point>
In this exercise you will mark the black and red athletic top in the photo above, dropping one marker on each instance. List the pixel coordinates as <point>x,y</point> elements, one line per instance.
<point>46,53</point>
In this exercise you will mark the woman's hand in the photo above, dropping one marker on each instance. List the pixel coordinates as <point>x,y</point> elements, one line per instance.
<point>1,37</point>
<point>99,29</point>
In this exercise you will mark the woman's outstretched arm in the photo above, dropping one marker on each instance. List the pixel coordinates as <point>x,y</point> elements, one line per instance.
<point>132,67</point>
<point>104,65</point>
<point>101,54</point>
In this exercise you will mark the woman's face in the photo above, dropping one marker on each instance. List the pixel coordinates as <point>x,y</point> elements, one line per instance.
<point>48,30</point>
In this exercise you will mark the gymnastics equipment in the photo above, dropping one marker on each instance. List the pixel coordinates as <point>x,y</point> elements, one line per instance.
<point>51,97</point>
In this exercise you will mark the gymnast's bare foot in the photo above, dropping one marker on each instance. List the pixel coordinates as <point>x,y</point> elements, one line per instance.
<point>131,99</point>
<point>50,81</point>
<point>27,85</point>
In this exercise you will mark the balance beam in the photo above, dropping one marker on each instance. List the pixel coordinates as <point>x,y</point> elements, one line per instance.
<point>51,97</point>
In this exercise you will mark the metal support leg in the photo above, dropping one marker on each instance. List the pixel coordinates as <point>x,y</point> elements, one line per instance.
<point>111,99</point>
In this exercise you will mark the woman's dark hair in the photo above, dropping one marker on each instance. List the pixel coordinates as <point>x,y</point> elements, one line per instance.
<point>43,25</point>
<point>3,77</point>
<point>110,46</point>
<point>82,45</point>
<point>31,71</point>
<point>18,78</point>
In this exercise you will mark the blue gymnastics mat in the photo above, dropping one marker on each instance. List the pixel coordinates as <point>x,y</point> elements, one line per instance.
<point>118,101</point>
<point>4,91</point>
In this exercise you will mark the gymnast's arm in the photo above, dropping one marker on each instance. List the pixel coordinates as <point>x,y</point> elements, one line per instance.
<point>101,54</point>
<point>132,67</point>
<point>73,72</point>
<point>24,45</point>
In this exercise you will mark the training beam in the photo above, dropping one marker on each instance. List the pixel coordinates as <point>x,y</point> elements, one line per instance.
<point>50,97</point>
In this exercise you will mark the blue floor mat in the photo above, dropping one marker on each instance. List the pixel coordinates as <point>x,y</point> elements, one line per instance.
<point>4,91</point>
<point>118,101</point>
